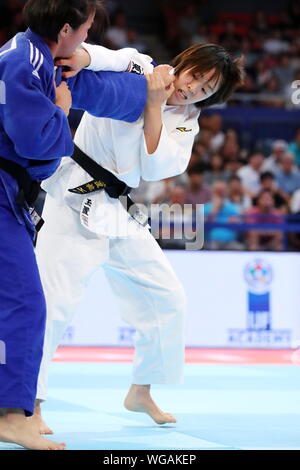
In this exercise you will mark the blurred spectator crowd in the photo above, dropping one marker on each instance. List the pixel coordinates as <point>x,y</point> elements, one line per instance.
<point>237,186</point>
<point>269,42</point>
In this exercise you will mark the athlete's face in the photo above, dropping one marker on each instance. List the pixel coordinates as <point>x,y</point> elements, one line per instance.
<point>191,87</point>
<point>72,38</point>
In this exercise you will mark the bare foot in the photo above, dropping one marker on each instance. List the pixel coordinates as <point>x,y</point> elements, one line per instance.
<point>37,420</point>
<point>139,399</point>
<point>15,428</point>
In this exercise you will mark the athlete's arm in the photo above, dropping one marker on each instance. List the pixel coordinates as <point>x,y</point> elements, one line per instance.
<point>158,93</point>
<point>38,128</point>
<point>173,152</point>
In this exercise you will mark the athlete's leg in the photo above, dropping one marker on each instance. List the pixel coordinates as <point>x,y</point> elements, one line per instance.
<point>22,324</point>
<point>152,300</point>
<point>67,255</point>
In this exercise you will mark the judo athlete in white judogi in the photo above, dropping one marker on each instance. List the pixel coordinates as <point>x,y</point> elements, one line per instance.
<point>84,231</point>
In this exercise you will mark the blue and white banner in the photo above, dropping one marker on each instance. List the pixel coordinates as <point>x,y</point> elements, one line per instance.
<point>235,299</point>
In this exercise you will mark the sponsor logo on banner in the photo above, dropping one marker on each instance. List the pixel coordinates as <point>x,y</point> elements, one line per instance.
<point>259,331</point>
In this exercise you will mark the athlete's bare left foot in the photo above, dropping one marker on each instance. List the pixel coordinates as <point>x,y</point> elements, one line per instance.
<point>15,428</point>
<point>37,420</point>
<point>139,399</point>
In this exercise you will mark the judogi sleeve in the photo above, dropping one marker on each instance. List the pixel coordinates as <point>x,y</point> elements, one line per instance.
<point>116,61</point>
<point>174,150</point>
<point>115,95</point>
<point>38,128</point>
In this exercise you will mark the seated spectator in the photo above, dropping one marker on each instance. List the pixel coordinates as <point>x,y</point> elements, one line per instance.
<point>169,185</point>
<point>204,137</point>
<point>195,159</point>
<point>288,177</point>
<point>250,174</point>
<point>217,136</point>
<point>249,86</point>
<point>237,195</point>
<point>294,147</point>
<point>233,166</point>
<point>197,191</point>
<point>283,70</point>
<point>134,41</point>
<point>281,199</point>
<point>231,135</point>
<point>274,44</point>
<point>230,150</point>
<point>272,163</point>
<point>173,221</point>
<point>250,57</point>
<point>216,170</point>
<point>273,93</point>
<point>202,151</point>
<point>264,213</point>
<point>263,73</point>
<point>116,34</point>
<point>223,211</point>
<point>154,192</point>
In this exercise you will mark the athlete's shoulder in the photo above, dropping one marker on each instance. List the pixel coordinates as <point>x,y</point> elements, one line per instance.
<point>20,55</point>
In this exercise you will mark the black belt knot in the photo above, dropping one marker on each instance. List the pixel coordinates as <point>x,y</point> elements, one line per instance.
<point>28,188</point>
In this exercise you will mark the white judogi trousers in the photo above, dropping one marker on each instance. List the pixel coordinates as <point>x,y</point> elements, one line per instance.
<point>150,297</point>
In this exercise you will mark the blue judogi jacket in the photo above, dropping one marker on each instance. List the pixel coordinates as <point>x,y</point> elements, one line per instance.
<point>34,132</point>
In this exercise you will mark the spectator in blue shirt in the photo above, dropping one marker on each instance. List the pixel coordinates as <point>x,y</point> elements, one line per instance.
<point>288,178</point>
<point>223,211</point>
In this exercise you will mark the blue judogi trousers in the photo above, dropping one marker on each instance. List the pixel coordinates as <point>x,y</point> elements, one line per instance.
<point>22,304</point>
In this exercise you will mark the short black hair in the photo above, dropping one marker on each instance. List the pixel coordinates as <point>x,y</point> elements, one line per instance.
<point>266,175</point>
<point>47,17</point>
<point>201,58</point>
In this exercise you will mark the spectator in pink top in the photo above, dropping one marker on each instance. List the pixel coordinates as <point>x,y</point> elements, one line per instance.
<point>264,213</point>
<point>197,191</point>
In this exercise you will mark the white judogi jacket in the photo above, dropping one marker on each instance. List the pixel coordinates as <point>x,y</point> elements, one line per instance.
<point>120,147</point>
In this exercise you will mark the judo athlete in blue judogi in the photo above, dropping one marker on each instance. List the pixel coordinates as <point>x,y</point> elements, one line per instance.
<point>34,135</point>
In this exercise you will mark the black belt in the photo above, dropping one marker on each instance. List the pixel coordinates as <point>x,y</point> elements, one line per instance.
<point>28,189</point>
<point>107,181</point>
<point>103,179</point>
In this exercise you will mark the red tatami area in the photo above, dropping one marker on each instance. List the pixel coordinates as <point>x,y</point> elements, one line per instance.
<point>193,355</point>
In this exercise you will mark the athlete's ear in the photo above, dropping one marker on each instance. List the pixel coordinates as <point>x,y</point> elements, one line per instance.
<point>65,30</point>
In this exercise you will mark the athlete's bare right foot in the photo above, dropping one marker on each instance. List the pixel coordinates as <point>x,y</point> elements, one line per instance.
<point>17,429</point>
<point>139,399</point>
<point>37,420</point>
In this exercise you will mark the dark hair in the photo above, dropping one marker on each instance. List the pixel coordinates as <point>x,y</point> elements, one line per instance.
<point>47,17</point>
<point>253,154</point>
<point>201,58</point>
<point>266,175</point>
<point>197,169</point>
<point>234,178</point>
<point>262,192</point>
